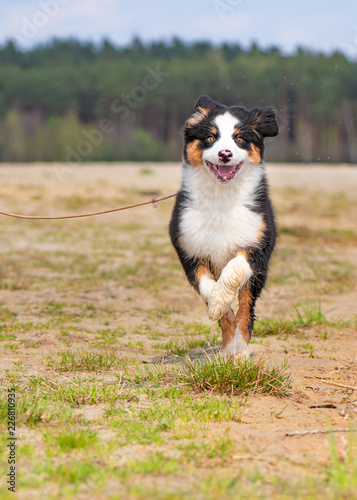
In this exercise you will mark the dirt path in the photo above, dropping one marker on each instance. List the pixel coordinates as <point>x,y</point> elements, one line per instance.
<point>113,283</point>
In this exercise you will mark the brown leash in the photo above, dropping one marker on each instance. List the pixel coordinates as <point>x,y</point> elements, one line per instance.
<point>153,201</point>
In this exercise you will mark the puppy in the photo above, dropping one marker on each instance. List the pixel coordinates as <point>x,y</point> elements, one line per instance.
<point>222,225</point>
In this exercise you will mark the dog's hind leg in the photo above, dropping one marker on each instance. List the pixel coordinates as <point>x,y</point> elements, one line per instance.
<point>228,324</point>
<point>233,343</point>
<point>245,315</point>
<point>237,328</point>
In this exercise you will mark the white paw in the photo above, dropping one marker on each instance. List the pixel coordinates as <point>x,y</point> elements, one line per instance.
<point>219,302</point>
<point>237,348</point>
<point>245,355</point>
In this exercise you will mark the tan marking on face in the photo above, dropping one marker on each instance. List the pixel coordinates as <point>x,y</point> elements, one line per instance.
<point>228,324</point>
<point>254,155</point>
<point>236,131</point>
<point>194,154</point>
<point>214,130</point>
<point>243,316</point>
<point>197,117</point>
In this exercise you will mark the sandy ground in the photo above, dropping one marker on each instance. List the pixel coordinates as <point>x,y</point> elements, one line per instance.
<point>316,260</point>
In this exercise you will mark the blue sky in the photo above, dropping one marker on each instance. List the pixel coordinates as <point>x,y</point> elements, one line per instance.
<point>318,24</point>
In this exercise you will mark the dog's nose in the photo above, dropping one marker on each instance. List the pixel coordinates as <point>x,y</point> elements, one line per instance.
<point>225,155</point>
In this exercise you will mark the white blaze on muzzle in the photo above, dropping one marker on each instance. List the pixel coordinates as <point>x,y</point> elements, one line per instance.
<point>225,170</point>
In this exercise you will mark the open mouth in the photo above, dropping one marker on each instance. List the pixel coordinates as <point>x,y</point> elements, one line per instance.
<point>224,172</point>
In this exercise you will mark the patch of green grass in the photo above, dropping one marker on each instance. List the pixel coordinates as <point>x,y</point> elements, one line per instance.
<point>308,347</point>
<point>33,408</point>
<point>143,330</point>
<point>307,315</point>
<point>77,392</point>
<point>310,314</point>
<point>20,327</point>
<point>146,171</point>
<point>188,407</point>
<point>140,274</point>
<point>231,487</point>
<point>5,494</point>
<point>134,432</point>
<point>155,335</point>
<point>164,312</point>
<point>320,268</point>
<point>264,327</point>
<point>341,475</point>
<point>74,472</point>
<point>152,373</point>
<point>197,328</point>
<point>171,413</point>
<point>327,236</point>
<point>156,463</point>
<point>6,314</point>
<point>165,345</point>
<point>139,344</point>
<point>7,336</point>
<point>67,441</point>
<point>86,361</point>
<point>14,378</point>
<point>133,226</point>
<point>218,374</point>
<point>31,345</point>
<point>218,447</point>
<point>27,450</point>
<point>14,347</point>
<point>332,275</point>
<point>231,376</point>
<point>61,313</point>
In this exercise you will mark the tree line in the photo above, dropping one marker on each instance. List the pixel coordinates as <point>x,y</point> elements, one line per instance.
<point>68,100</point>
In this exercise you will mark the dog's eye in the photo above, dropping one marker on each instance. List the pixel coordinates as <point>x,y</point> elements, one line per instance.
<point>210,138</point>
<point>239,140</point>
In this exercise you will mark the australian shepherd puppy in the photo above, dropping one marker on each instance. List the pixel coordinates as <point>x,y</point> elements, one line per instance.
<point>222,225</point>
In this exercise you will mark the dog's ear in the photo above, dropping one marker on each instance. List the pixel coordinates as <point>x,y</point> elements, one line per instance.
<point>204,105</point>
<point>263,120</point>
<point>204,102</point>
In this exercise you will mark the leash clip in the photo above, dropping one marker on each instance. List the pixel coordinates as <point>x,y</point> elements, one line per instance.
<point>154,203</point>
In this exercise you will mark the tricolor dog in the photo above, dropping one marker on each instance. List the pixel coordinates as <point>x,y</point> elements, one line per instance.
<point>222,225</point>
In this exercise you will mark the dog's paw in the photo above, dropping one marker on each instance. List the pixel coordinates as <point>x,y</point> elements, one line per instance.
<point>237,348</point>
<point>219,302</point>
<point>245,355</point>
<point>239,357</point>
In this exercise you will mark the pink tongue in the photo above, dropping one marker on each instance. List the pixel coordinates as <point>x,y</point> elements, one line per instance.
<point>224,170</point>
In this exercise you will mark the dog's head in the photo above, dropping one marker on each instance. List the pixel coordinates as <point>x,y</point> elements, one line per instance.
<point>223,139</point>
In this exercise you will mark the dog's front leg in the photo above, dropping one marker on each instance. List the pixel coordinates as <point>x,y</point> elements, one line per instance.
<point>233,277</point>
<point>205,282</point>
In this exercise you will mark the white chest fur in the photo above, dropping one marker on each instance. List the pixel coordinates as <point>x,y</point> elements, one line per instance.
<point>216,222</point>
